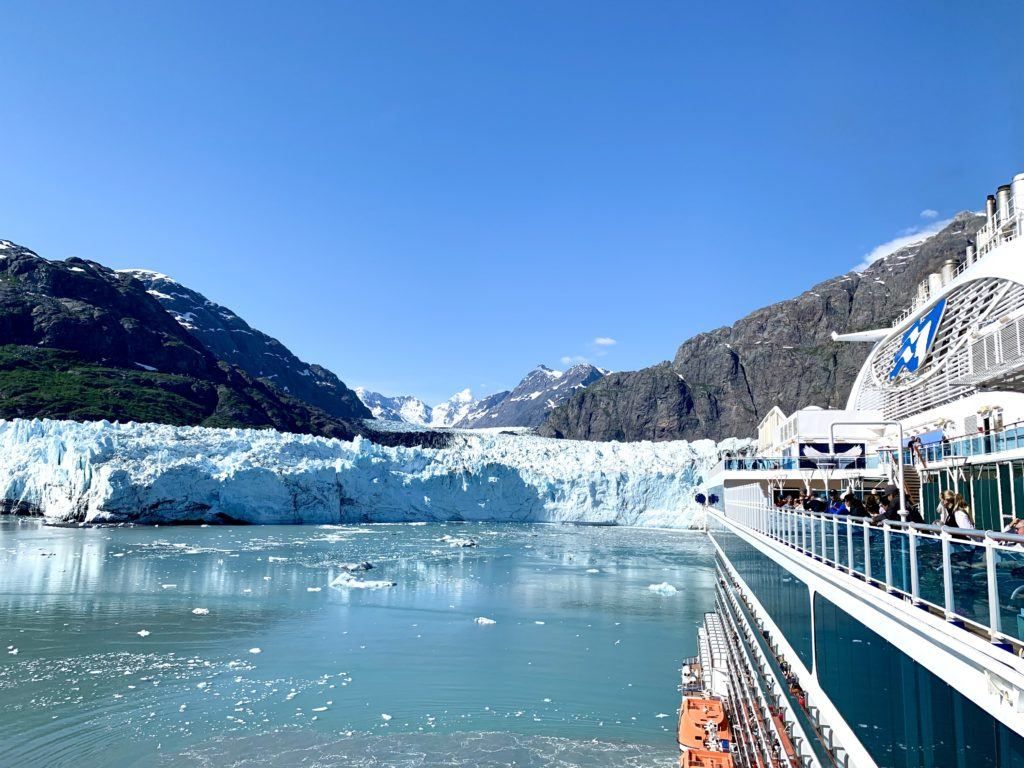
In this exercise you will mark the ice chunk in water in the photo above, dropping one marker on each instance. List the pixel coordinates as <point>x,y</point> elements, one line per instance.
<point>663,589</point>
<point>483,620</point>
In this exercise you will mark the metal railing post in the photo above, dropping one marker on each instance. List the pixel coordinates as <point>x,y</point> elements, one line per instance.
<point>994,613</point>
<point>810,524</point>
<point>835,540</point>
<point>947,575</point>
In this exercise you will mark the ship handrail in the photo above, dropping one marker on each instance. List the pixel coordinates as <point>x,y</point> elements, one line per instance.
<point>1001,230</point>
<point>905,558</point>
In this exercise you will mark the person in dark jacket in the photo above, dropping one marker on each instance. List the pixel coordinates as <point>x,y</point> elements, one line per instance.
<point>891,511</point>
<point>853,506</point>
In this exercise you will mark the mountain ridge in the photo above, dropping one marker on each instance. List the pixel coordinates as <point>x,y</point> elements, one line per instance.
<point>721,382</point>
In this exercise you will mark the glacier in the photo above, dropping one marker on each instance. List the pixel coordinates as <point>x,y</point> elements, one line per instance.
<point>102,472</point>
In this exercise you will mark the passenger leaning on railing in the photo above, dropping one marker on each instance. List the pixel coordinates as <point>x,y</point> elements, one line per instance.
<point>853,506</point>
<point>891,495</point>
<point>953,511</point>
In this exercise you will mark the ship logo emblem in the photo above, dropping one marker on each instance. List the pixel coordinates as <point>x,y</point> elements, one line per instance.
<point>917,340</point>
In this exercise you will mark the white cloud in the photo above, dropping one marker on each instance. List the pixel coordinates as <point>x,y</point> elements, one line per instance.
<point>605,341</point>
<point>907,237</point>
<point>929,213</point>
<point>574,360</point>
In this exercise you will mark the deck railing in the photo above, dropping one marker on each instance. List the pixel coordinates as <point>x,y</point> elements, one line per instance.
<point>973,578</point>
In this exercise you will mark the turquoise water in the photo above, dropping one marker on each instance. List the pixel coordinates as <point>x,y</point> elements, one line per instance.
<point>113,667</point>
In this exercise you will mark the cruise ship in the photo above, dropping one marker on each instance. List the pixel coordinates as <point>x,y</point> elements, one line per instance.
<point>862,637</point>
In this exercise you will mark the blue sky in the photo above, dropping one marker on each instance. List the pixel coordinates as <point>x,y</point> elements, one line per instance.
<point>425,196</point>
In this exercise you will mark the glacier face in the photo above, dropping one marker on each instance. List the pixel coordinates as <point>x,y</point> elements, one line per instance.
<point>150,473</point>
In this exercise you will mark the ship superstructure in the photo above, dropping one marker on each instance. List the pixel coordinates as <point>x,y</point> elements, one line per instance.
<point>852,635</point>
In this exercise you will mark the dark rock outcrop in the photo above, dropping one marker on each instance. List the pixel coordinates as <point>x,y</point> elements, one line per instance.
<point>533,398</point>
<point>80,341</point>
<point>729,378</point>
<point>234,341</point>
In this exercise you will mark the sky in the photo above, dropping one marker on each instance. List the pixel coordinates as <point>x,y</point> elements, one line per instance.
<point>428,196</point>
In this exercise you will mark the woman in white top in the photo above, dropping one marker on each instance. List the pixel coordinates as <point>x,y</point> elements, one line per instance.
<point>953,511</point>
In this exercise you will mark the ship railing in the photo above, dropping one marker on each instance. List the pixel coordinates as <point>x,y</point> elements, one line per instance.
<point>991,235</point>
<point>794,463</point>
<point>972,578</point>
<point>1009,438</point>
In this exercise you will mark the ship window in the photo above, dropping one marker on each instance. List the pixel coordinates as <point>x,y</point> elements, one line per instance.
<point>903,715</point>
<point>785,597</point>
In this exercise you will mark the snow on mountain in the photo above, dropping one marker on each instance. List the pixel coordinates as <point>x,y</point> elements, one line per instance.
<point>405,408</point>
<point>150,473</point>
<point>525,406</point>
<point>453,410</point>
<point>234,341</point>
<point>534,397</point>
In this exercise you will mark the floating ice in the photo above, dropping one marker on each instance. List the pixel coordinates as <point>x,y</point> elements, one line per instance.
<point>663,589</point>
<point>355,567</point>
<point>143,633</point>
<point>348,581</point>
<point>255,650</point>
<point>312,589</point>
<point>385,716</point>
<point>168,586</point>
<point>483,620</point>
<point>201,611</point>
<point>458,541</point>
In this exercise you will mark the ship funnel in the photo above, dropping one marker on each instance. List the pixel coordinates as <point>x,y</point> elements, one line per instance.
<point>1003,202</point>
<point>934,283</point>
<point>922,291</point>
<point>1017,190</point>
<point>970,253</point>
<point>990,209</point>
<point>949,267</point>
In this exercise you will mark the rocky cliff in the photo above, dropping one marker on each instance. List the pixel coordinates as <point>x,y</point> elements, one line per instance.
<point>233,340</point>
<point>78,340</point>
<point>722,383</point>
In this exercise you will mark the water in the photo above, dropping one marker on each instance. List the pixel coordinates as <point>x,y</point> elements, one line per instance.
<point>114,668</point>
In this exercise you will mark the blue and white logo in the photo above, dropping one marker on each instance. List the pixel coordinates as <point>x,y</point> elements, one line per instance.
<point>917,340</point>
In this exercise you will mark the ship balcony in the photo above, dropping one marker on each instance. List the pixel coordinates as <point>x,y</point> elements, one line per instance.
<point>974,579</point>
<point>967,447</point>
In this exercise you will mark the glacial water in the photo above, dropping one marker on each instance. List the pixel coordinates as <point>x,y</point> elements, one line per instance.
<point>229,646</point>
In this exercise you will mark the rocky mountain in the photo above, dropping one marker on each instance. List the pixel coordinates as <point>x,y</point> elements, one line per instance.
<point>722,383</point>
<point>81,341</point>
<point>234,341</point>
<point>533,398</point>
<point>541,390</point>
<point>403,408</point>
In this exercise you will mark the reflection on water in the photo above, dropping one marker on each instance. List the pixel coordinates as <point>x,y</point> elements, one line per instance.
<point>218,646</point>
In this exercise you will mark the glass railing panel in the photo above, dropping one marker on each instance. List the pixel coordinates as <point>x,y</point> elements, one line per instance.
<point>1010,588</point>
<point>844,552</point>
<point>929,570</point>
<point>899,552</point>
<point>858,547</point>
<point>970,582</point>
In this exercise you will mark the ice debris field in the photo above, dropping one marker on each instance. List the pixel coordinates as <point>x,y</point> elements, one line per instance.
<point>149,473</point>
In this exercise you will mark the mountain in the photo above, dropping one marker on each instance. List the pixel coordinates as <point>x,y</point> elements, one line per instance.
<point>525,406</point>
<point>404,408</point>
<point>532,399</point>
<point>722,383</point>
<point>81,341</point>
<point>234,341</point>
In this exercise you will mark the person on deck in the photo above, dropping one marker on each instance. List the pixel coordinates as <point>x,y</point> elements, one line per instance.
<point>835,503</point>
<point>891,496</point>
<point>853,506</point>
<point>953,511</point>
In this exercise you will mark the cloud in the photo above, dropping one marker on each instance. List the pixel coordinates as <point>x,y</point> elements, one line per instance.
<point>604,341</point>
<point>909,236</point>
<point>929,213</point>
<point>574,360</point>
